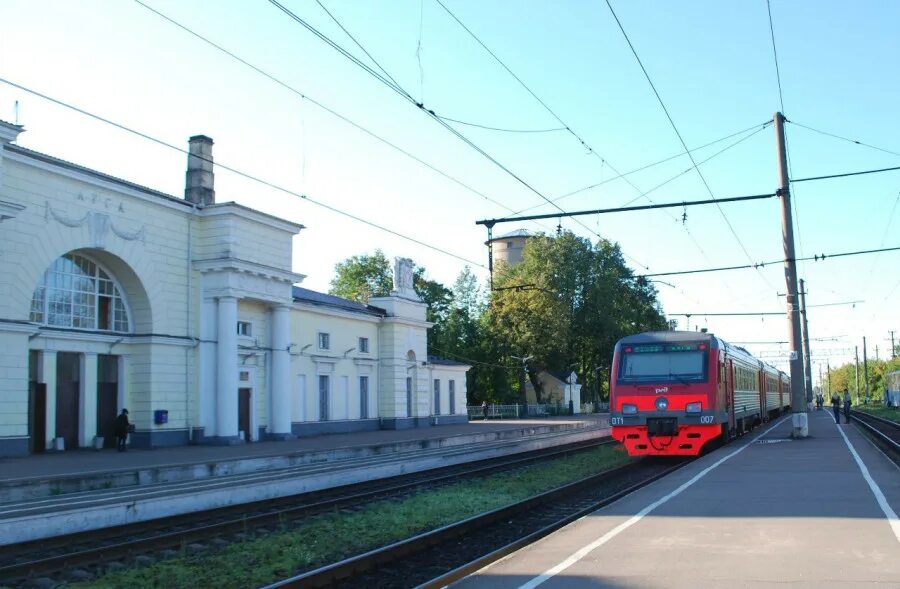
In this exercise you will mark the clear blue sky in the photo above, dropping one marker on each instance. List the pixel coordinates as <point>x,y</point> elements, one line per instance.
<point>711,62</point>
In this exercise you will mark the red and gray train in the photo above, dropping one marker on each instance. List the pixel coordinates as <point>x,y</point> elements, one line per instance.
<point>672,392</point>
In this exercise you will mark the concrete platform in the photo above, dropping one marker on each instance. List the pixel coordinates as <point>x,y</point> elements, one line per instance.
<point>72,492</point>
<point>764,511</point>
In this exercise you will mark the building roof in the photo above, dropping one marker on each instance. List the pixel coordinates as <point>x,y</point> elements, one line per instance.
<point>305,295</point>
<point>561,375</point>
<point>445,362</point>
<point>49,159</point>
<point>516,233</point>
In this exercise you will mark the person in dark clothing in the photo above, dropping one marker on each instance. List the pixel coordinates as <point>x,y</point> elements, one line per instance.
<point>836,405</point>
<point>847,403</point>
<point>484,409</point>
<point>123,426</point>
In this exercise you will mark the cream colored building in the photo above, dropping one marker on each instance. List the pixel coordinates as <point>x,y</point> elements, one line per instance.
<point>185,311</point>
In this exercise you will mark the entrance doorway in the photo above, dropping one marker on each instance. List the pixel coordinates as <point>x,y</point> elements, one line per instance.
<point>37,406</point>
<point>68,386</point>
<point>244,413</point>
<point>107,398</point>
<point>37,417</point>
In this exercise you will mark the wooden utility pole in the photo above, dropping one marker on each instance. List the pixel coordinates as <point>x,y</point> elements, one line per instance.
<point>799,418</point>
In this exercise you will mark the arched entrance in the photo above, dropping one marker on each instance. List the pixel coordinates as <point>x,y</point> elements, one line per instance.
<point>84,312</point>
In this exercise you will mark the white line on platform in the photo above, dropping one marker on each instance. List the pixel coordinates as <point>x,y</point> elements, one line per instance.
<point>876,490</point>
<point>584,551</point>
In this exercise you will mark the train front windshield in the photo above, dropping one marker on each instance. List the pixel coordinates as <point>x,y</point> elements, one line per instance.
<point>663,364</point>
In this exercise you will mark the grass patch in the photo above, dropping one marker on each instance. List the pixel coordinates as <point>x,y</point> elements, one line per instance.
<point>332,537</point>
<point>891,413</point>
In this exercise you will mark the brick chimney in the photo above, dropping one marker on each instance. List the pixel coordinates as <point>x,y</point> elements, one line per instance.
<point>198,187</point>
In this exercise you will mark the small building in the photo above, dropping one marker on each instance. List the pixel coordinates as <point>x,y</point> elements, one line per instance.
<point>558,388</point>
<point>186,311</point>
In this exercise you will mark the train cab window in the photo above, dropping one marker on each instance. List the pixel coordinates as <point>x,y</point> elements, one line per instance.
<point>663,364</point>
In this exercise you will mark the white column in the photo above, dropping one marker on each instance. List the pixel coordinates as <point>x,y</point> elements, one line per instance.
<point>87,418</point>
<point>208,332</point>
<point>48,377</point>
<point>280,419</point>
<point>227,367</point>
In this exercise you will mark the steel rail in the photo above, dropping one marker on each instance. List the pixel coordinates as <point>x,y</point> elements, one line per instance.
<point>342,571</point>
<point>125,548</point>
<point>865,419</point>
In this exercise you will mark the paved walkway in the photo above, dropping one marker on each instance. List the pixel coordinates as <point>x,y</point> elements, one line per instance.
<point>76,462</point>
<point>764,511</point>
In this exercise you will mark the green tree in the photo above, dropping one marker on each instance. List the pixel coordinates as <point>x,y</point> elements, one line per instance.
<point>567,303</point>
<point>359,278</point>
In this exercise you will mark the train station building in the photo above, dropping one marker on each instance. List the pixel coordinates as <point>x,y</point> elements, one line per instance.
<point>186,311</point>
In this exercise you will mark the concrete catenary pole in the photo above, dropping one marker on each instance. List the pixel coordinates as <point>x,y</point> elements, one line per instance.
<point>807,365</point>
<point>799,418</point>
<point>866,369</point>
<point>856,355</point>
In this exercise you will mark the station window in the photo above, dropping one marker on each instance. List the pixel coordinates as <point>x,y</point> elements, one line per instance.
<point>324,341</point>
<point>245,328</point>
<point>364,345</point>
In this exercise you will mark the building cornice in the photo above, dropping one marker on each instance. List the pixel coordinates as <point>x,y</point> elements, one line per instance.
<point>238,210</point>
<point>409,322</point>
<point>246,267</point>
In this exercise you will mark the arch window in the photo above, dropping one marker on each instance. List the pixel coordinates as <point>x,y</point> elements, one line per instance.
<point>77,292</point>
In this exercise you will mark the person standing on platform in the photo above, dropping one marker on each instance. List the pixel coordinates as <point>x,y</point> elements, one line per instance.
<point>484,409</point>
<point>123,426</point>
<point>836,405</point>
<point>847,403</point>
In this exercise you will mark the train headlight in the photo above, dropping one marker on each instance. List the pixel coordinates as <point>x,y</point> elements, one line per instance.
<point>692,408</point>
<point>629,409</point>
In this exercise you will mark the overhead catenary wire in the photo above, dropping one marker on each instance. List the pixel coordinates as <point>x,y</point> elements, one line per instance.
<point>489,128</point>
<point>324,107</point>
<point>757,128</point>
<point>815,258</point>
<point>845,175</point>
<point>241,173</point>
<point>854,141</point>
<point>775,56</point>
<point>678,134</point>
<point>581,141</point>
<point>428,112</point>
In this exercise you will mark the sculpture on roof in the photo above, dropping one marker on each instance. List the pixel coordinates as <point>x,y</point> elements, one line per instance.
<point>403,277</point>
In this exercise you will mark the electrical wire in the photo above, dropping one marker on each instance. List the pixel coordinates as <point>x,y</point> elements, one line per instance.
<point>845,175</point>
<point>241,173</point>
<point>501,129</point>
<point>775,55</point>
<point>475,362</point>
<point>391,85</point>
<point>678,134</point>
<point>369,55</point>
<point>323,106</point>
<point>581,141</point>
<point>656,163</point>
<point>854,141</point>
<point>815,258</point>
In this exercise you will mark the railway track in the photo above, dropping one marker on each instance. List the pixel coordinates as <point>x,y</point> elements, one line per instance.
<point>883,432</point>
<point>442,556</point>
<point>83,555</point>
